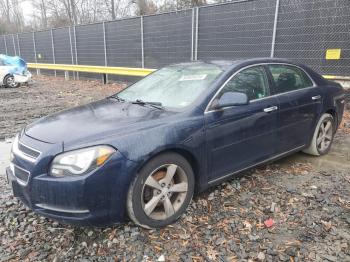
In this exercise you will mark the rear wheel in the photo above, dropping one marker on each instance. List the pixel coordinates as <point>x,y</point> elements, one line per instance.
<point>323,136</point>
<point>161,192</point>
<point>9,82</point>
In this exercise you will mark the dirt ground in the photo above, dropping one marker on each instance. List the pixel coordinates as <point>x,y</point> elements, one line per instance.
<point>44,96</point>
<point>296,209</point>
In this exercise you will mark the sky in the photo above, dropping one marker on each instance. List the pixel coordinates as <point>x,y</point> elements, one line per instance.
<point>27,9</point>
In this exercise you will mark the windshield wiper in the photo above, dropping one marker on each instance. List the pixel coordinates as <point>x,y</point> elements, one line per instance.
<point>157,105</point>
<point>117,98</point>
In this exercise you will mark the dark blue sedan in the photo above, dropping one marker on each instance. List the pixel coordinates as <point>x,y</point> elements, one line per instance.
<point>143,152</point>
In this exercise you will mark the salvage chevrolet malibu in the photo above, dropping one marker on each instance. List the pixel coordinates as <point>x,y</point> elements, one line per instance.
<point>143,152</point>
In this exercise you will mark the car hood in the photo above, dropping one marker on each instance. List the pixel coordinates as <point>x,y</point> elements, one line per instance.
<point>96,120</point>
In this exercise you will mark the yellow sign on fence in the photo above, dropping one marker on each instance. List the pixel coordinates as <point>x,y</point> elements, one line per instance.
<point>333,54</point>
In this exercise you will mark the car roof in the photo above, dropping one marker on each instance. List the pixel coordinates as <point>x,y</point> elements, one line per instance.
<point>226,64</point>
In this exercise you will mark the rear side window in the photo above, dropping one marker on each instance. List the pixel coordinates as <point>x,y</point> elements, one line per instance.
<point>289,78</point>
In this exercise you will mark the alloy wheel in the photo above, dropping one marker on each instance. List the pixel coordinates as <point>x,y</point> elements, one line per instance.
<point>325,135</point>
<point>164,192</point>
<point>11,81</point>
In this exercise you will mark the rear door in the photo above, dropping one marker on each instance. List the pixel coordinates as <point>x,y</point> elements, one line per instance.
<point>300,104</point>
<point>241,136</point>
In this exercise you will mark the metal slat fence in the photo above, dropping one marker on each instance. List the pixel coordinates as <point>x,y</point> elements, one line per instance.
<point>307,28</point>
<point>167,38</point>
<point>242,30</point>
<point>26,46</point>
<point>295,29</point>
<point>9,43</point>
<point>123,43</point>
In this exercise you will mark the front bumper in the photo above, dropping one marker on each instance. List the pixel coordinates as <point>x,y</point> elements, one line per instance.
<point>97,198</point>
<point>23,78</point>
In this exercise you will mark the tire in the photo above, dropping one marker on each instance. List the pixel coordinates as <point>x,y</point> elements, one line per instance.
<point>322,138</point>
<point>151,185</point>
<point>9,82</point>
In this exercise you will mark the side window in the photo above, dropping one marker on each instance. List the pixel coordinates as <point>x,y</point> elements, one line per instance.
<point>289,78</point>
<point>252,81</point>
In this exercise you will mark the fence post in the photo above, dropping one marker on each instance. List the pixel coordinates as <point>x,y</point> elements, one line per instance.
<point>53,50</point>
<point>142,44</point>
<point>71,49</point>
<point>5,45</point>
<point>275,29</point>
<point>192,40</point>
<point>196,35</point>
<point>75,47</point>
<point>14,45</point>
<point>36,59</point>
<point>19,47</point>
<point>105,76</point>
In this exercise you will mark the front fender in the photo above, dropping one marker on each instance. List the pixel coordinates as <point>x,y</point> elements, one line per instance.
<point>22,78</point>
<point>187,135</point>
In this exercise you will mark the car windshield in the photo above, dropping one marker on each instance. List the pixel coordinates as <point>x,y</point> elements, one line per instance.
<point>174,86</point>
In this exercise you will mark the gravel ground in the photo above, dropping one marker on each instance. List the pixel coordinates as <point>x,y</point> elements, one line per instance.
<point>46,95</point>
<point>297,209</point>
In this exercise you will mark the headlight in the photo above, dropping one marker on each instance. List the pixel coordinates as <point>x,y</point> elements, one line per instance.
<point>80,162</point>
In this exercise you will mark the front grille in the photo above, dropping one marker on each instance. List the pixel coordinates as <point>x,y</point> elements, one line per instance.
<point>25,152</point>
<point>21,174</point>
<point>30,152</point>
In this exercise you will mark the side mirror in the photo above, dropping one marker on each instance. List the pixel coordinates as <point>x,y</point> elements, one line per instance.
<point>230,99</point>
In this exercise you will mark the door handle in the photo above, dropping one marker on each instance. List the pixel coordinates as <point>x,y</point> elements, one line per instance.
<point>270,109</point>
<point>316,97</point>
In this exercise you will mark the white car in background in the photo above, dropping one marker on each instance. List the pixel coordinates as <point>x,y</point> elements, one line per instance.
<point>13,71</point>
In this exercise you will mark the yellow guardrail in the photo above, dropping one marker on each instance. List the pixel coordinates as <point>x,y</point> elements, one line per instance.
<point>126,71</point>
<point>346,78</point>
<point>329,76</point>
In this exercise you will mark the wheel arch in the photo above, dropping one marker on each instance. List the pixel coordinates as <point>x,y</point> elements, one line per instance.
<point>185,153</point>
<point>5,75</point>
<point>8,74</point>
<point>334,114</point>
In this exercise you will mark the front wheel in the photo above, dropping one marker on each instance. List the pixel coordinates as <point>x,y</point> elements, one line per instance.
<point>323,136</point>
<point>10,82</point>
<point>161,192</point>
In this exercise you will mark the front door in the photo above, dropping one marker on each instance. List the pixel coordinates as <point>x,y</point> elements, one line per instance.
<point>242,136</point>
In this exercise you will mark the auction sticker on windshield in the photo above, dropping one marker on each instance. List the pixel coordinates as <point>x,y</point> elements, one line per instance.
<point>193,77</point>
